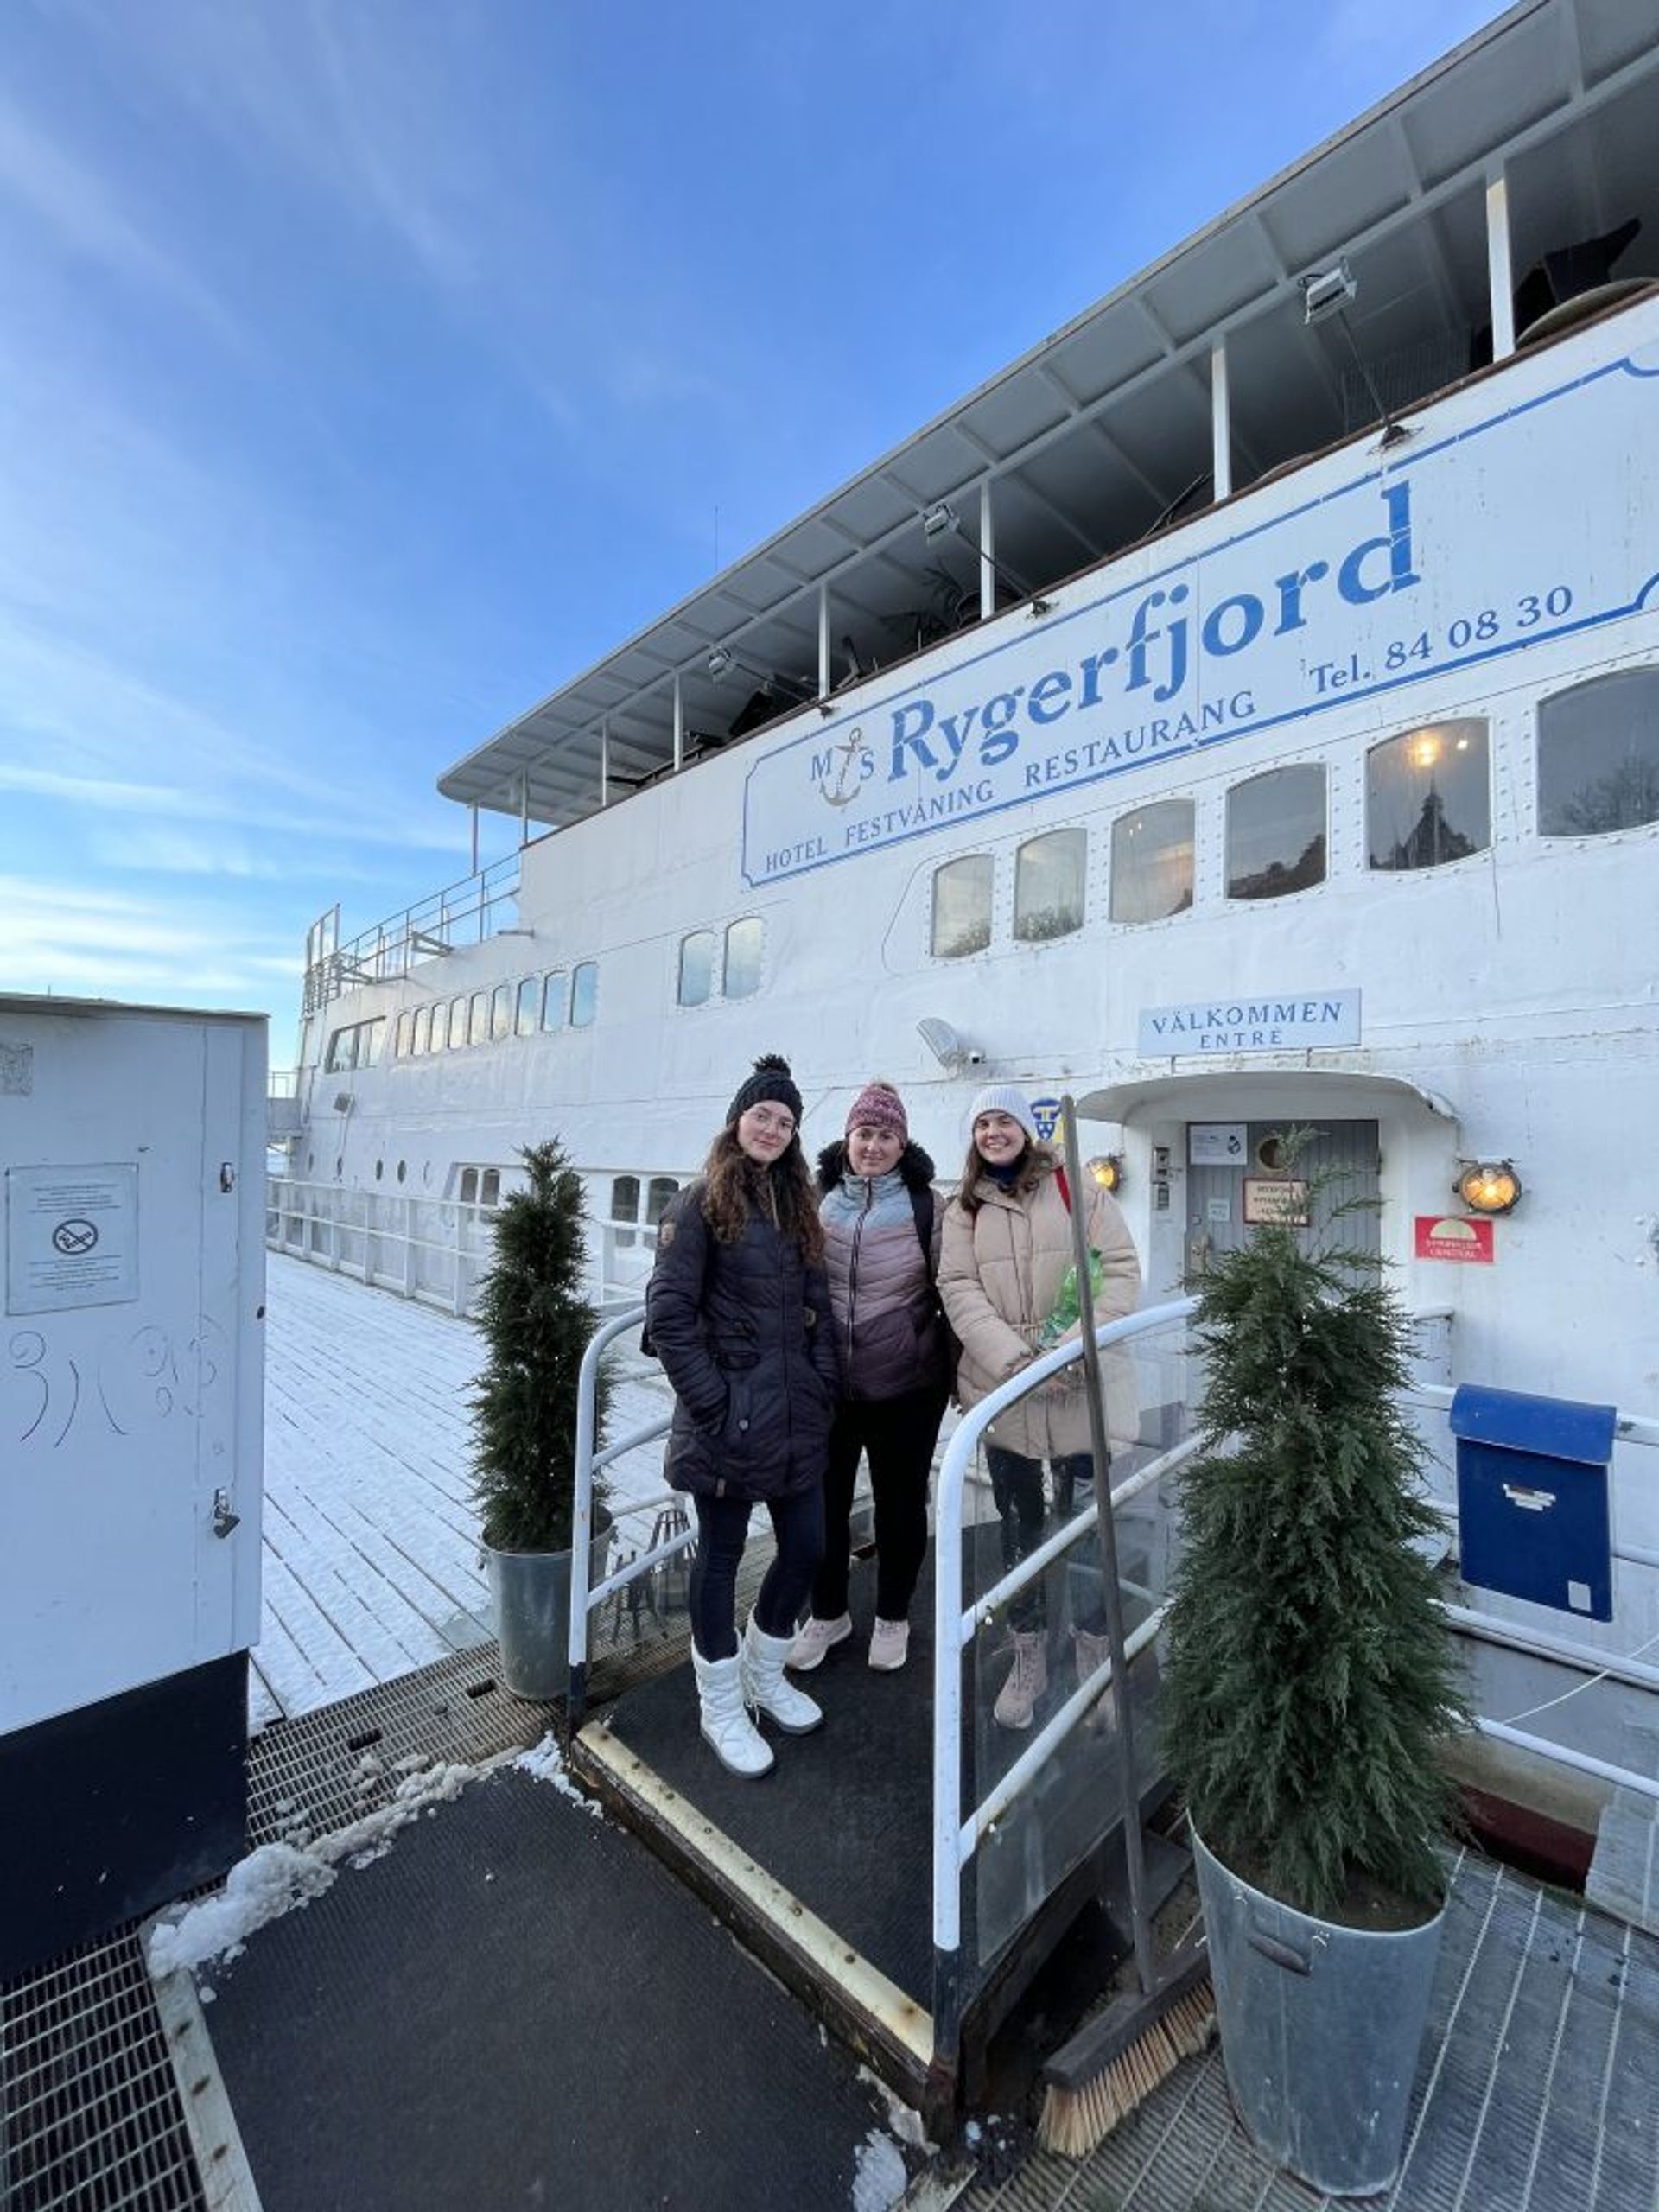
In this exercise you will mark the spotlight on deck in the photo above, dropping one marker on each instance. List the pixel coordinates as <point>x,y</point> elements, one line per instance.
<point>1489,1185</point>
<point>1327,292</point>
<point>719,661</point>
<point>942,519</point>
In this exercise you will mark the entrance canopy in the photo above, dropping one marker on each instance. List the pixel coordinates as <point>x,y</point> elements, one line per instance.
<point>1257,1095</point>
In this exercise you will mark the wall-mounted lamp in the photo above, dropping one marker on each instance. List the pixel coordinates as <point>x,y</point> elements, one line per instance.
<point>952,1051</point>
<point>719,661</point>
<point>942,519</point>
<point>1488,1185</point>
<point>1107,1170</point>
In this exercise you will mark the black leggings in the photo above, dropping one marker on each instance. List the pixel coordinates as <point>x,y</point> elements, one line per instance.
<point>1017,1488</point>
<point>722,1531</point>
<point>898,1434</point>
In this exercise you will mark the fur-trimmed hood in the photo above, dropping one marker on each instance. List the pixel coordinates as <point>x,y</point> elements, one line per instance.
<point>913,1164</point>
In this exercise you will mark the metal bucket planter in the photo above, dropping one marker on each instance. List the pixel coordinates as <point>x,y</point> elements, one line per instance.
<point>530,1593</point>
<point>1320,2030</point>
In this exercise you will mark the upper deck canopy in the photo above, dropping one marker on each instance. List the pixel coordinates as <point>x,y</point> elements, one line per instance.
<point>1102,434</point>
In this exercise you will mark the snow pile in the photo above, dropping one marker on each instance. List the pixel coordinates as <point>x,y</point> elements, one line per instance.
<point>879,2179</point>
<point>278,1876</point>
<point>267,1883</point>
<point>546,1763</point>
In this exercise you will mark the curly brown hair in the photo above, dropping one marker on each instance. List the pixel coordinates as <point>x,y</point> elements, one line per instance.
<point>734,1186</point>
<point>1037,1160</point>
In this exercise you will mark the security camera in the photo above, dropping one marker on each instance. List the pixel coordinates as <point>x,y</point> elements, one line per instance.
<point>975,1058</point>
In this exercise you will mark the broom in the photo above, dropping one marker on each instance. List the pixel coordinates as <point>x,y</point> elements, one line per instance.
<point>1113,2064</point>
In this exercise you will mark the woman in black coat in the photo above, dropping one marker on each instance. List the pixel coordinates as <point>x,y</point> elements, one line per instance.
<point>738,1312</point>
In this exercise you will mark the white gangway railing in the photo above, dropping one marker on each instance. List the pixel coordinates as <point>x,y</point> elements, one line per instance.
<point>958,1832</point>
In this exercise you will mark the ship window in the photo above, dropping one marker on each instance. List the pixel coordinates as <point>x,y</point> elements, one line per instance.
<point>553,997</point>
<point>745,942</point>
<point>962,906</point>
<point>457,1024</point>
<point>469,1186</point>
<point>373,1035</point>
<point>1276,833</point>
<point>584,995</point>
<point>406,1026</point>
<point>1048,885</point>
<point>1425,797</point>
<point>478,1018</point>
<point>529,993</point>
<point>1151,862</point>
<point>342,1048</point>
<point>662,1189</point>
<point>1599,756</point>
<point>357,1045</point>
<point>501,1011</point>
<point>403,1169</point>
<point>489,1187</point>
<point>624,1209</point>
<point>697,968</point>
<point>380,1169</point>
<point>422,1030</point>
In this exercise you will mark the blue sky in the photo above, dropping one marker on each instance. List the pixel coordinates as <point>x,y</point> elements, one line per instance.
<point>367,367</point>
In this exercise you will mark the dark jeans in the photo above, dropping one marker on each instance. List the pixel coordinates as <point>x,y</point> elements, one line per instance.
<point>898,1434</point>
<point>722,1531</point>
<point>1017,1488</point>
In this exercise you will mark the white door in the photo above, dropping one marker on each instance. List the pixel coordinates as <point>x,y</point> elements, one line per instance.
<point>128,1362</point>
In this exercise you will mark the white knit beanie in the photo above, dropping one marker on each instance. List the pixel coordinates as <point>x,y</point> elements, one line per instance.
<point>1003,1098</point>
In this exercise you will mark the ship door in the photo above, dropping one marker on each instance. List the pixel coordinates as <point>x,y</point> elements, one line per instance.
<point>1235,1177</point>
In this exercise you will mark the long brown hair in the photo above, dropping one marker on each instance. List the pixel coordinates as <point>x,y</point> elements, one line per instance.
<point>1037,1160</point>
<point>734,1186</point>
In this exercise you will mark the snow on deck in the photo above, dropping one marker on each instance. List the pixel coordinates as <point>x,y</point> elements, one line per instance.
<point>372,1566</point>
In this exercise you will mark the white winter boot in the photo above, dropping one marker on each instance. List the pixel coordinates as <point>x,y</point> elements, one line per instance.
<point>762,1662</point>
<point>727,1728</point>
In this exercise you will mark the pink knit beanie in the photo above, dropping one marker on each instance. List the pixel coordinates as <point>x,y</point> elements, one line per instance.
<point>879,1106</point>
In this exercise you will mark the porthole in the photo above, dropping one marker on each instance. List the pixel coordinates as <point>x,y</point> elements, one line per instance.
<point>1270,1155</point>
<point>403,1169</point>
<point>380,1169</point>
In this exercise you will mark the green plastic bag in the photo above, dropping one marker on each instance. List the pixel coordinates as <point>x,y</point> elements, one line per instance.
<point>1066,1314</point>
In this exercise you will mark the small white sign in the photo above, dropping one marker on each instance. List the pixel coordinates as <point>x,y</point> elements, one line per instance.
<point>1218,1210</point>
<point>1273,1021</point>
<point>1216,1144</point>
<point>72,1237</point>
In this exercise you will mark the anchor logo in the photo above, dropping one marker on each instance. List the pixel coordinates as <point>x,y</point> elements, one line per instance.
<point>852,748</point>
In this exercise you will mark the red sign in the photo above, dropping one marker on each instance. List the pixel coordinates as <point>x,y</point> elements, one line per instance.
<point>1452,1236</point>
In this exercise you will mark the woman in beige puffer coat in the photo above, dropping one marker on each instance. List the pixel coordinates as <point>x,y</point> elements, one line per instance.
<point>1006,1246</point>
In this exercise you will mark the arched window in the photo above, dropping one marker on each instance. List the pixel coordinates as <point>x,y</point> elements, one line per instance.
<point>457,1024</point>
<point>661,1189</point>
<point>1151,862</point>
<point>469,1186</point>
<point>962,906</point>
<point>697,968</point>
<point>501,1011</point>
<point>530,1006</point>
<point>1276,833</point>
<point>1426,797</point>
<point>745,942</point>
<point>405,1037</point>
<point>489,1187</point>
<point>624,1209</point>
<point>555,992</point>
<point>584,995</point>
<point>478,1018</point>
<point>1599,756</point>
<point>1048,875</point>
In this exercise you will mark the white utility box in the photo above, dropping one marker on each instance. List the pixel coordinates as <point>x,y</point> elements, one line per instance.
<point>132,1143</point>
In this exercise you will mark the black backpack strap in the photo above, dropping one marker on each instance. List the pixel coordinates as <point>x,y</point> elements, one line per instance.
<point>921,1204</point>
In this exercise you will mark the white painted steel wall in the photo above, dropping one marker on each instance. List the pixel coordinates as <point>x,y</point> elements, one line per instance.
<point>131,1246</point>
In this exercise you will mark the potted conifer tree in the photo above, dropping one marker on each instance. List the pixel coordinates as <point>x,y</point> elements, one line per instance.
<point>1309,1693</point>
<point>537,1322</point>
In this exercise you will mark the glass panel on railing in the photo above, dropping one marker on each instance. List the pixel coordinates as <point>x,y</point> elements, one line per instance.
<point>1051,1636</point>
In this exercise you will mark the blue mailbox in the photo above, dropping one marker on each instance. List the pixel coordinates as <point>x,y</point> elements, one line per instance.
<point>1533,1512</point>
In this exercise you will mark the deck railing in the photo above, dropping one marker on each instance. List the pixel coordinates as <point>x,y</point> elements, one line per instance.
<point>464,913</point>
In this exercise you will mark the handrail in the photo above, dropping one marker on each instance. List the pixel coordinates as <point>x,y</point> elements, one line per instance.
<point>953,1838</point>
<point>581,1519</point>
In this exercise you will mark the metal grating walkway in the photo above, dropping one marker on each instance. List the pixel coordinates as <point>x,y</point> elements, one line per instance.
<point>1535,2090</point>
